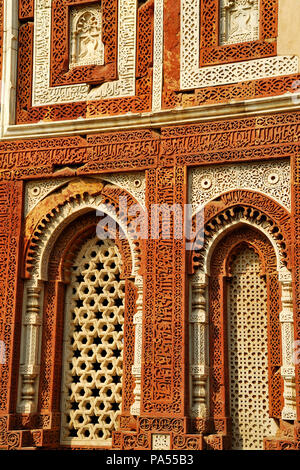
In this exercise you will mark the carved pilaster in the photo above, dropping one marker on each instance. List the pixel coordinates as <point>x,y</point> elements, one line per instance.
<point>29,368</point>
<point>199,348</point>
<point>287,335</point>
<point>137,367</point>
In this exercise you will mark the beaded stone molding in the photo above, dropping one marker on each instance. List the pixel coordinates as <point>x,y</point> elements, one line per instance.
<point>194,76</point>
<point>271,178</point>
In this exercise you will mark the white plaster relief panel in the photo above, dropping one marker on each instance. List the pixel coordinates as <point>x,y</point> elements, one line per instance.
<point>36,191</point>
<point>43,94</point>
<point>270,178</point>
<point>239,21</point>
<point>86,46</point>
<point>192,76</point>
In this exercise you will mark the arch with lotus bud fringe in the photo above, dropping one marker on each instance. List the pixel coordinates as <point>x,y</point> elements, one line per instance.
<point>230,213</point>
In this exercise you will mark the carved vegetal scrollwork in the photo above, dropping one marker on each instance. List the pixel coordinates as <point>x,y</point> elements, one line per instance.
<point>93,353</point>
<point>270,178</point>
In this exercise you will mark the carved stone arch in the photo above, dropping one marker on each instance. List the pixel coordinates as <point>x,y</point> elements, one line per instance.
<point>78,200</point>
<point>216,237</point>
<point>74,246</point>
<point>227,267</point>
<point>52,373</point>
<point>232,212</point>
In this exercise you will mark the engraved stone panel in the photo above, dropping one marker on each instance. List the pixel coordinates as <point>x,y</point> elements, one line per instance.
<point>86,47</point>
<point>43,94</point>
<point>37,190</point>
<point>194,76</point>
<point>239,21</point>
<point>161,441</point>
<point>271,178</point>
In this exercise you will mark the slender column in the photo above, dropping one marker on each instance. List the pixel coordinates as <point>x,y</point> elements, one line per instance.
<point>199,347</point>
<point>29,368</point>
<point>287,335</point>
<point>137,367</point>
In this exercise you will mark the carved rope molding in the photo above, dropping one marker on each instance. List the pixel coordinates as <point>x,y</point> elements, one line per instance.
<point>34,292</point>
<point>192,76</point>
<point>199,323</point>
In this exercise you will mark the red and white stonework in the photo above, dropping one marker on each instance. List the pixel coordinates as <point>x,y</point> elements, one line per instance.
<point>125,343</point>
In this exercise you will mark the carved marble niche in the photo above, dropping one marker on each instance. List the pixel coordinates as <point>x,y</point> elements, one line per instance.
<point>86,46</point>
<point>239,21</point>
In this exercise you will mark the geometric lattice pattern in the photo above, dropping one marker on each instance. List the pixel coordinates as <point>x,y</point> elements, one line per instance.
<point>248,352</point>
<point>193,76</point>
<point>93,353</point>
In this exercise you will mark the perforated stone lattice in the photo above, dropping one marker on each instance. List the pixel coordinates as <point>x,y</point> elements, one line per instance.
<point>248,355</point>
<point>93,345</point>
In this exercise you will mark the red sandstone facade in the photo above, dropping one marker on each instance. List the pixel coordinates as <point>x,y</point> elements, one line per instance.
<point>205,127</point>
